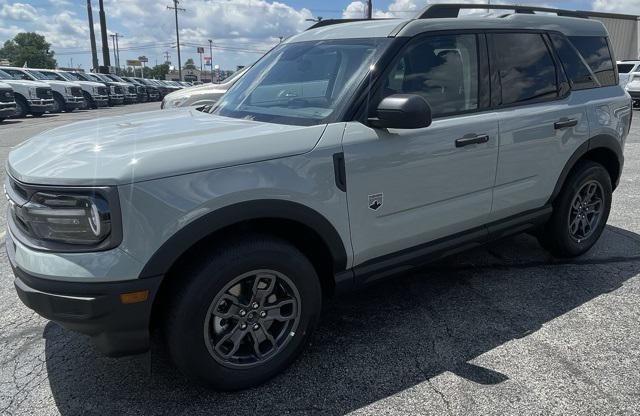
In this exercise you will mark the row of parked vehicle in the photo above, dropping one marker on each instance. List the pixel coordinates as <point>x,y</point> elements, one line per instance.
<point>26,91</point>
<point>629,71</point>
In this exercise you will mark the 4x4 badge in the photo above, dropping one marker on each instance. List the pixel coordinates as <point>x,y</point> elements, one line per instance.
<point>375,201</point>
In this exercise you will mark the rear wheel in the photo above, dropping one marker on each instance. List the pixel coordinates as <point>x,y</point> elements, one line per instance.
<point>244,314</point>
<point>580,211</point>
<point>37,113</point>
<point>88,101</point>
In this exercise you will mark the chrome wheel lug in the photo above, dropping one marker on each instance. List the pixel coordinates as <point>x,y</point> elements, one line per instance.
<point>255,305</point>
<point>243,326</point>
<point>263,314</point>
<point>256,327</point>
<point>242,312</point>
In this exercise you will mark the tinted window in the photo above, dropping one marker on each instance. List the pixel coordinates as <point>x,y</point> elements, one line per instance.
<point>442,69</point>
<point>625,68</point>
<point>525,67</point>
<point>574,66</point>
<point>595,51</point>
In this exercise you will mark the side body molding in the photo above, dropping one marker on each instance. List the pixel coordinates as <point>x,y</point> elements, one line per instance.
<point>209,223</point>
<point>601,141</point>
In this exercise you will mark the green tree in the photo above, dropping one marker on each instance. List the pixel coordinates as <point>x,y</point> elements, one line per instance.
<point>189,64</point>
<point>31,48</point>
<point>158,71</point>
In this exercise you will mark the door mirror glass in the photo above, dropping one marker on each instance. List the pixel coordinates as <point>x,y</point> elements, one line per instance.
<point>402,111</point>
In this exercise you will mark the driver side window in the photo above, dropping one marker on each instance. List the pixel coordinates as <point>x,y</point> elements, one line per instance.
<point>443,69</point>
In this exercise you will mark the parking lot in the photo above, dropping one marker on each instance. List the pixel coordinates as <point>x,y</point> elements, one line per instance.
<point>501,330</point>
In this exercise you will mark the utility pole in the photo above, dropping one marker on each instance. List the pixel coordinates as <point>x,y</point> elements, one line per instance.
<point>92,38</point>
<point>166,57</point>
<point>369,9</point>
<point>176,9</point>
<point>115,53</point>
<point>118,50</point>
<point>105,41</point>
<point>211,59</point>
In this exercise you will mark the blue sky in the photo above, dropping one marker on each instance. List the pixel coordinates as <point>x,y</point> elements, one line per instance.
<point>241,29</point>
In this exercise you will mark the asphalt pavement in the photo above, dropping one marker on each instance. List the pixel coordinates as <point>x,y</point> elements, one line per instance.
<point>501,330</point>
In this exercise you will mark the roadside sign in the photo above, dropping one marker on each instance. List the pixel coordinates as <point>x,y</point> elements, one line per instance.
<point>143,59</point>
<point>133,62</point>
<point>200,49</point>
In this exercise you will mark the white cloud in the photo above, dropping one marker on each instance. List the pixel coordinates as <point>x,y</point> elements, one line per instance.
<point>19,12</point>
<point>355,10</point>
<point>618,6</point>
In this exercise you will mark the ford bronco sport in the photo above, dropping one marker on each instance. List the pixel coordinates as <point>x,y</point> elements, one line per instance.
<point>348,153</point>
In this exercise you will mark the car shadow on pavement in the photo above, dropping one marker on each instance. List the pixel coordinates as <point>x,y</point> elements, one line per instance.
<point>372,344</point>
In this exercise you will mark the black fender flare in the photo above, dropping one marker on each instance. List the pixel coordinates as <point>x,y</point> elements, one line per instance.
<point>600,141</point>
<point>200,228</point>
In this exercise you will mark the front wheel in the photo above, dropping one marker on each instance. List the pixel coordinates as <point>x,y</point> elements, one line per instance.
<point>244,314</point>
<point>580,212</point>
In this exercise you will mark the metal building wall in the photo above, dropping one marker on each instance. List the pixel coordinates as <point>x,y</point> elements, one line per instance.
<point>624,34</point>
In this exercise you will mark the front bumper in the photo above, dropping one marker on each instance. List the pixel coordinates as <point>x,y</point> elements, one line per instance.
<point>116,99</point>
<point>7,109</point>
<point>131,98</point>
<point>101,100</point>
<point>41,104</point>
<point>74,102</point>
<point>91,308</point>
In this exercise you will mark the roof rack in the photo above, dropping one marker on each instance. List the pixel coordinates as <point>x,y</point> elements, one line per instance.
<point>329,22</point>
<point>439,11</point>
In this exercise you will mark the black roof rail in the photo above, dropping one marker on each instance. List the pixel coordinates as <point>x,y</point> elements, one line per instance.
<point>329,22</point>
<point>439,11</point>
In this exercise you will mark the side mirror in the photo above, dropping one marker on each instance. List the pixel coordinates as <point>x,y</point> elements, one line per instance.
<point>402,111</point>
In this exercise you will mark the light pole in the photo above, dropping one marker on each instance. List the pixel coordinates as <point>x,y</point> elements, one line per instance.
<point>211,59</point>
<point>176,8</point>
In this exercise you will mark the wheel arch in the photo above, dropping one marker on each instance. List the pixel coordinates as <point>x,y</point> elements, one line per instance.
<point>305,227</point>
<point>603,149</point>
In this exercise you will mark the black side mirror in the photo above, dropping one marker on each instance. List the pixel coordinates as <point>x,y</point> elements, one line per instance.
<point>402,111</point>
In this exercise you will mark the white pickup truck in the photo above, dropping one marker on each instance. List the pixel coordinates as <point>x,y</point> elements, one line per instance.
<point>94,93</point>
<point>67,96</point>
<point>31,97</point>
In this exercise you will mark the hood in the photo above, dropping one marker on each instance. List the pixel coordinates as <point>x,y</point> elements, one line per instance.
<point>89,83</point>
<point>191,97</point>
<point>202,89</point>
<point>62,84</point>
<point>25,83</point>
<point>151,145</point>
<point>4,85</point>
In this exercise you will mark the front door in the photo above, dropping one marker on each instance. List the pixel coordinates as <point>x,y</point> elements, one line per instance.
<point>410,187</point>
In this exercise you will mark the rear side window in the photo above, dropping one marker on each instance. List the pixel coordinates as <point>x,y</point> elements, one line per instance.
<point>625,68</point>
<point>525,67</point>
<point>595,51</point>
<point>576,68</point>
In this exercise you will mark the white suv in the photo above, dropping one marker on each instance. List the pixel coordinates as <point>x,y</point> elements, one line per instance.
<point>625,69</point>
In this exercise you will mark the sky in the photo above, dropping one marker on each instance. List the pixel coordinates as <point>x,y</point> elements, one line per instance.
<point>241,30</point>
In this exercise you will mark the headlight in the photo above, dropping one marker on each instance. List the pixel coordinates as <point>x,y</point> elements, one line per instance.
<point>176,103</point>
<point>112,89</point>
<point>96,90</point>
<point>67,90</point>
<point>77,219</point>
<point>32,93</point>
<point>71,219</point>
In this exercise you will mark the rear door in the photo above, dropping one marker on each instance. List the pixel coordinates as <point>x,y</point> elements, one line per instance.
<point>541,122</point>
<point>409,187</point>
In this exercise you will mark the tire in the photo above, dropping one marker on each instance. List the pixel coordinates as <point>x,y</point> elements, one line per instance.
<point>556,235</point>
<point>191,325</point>
<point>22,108</point>
<point>89,104</point>
<point>2,119</point>
<point>58,104</point>
<point>37,114</point>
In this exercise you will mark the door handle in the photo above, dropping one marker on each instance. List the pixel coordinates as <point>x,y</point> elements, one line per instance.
<point>564,123</point>
<point>466,141</point>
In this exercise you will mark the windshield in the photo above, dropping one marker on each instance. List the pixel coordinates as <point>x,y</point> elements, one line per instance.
<point>303,83</point>
<point>18,75</point>
<point>47,75</point>
<point>37,75</point>
<point>100,77</point>
<point>68,76</point>
<point>4,75</point>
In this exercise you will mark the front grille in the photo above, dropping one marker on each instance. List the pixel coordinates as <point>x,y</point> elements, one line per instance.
<point>102,90</point>
<point>44,93</point>
<point>132,90</point>
<point>76,91</point>
<point>6,96</point>
<point>118,90</point>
